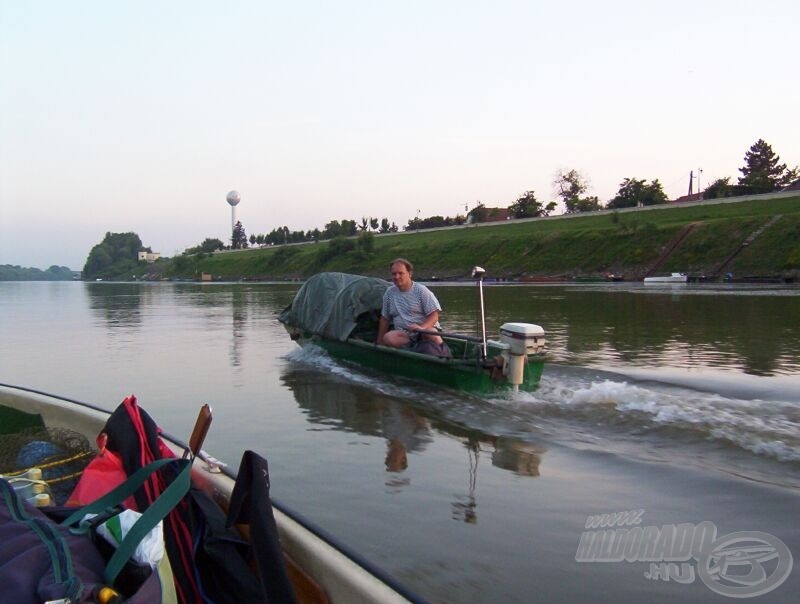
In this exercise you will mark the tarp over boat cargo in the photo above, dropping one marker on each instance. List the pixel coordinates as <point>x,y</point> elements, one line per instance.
<point>328,304</point>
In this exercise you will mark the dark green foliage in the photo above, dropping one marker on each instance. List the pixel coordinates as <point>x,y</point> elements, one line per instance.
<point>479,213</point>
<point>345,228</point>
<point>208,246</point>
<point>762,172</point>
<point>385,227</point>
<point>583,204</point>
<point>185,264</point>
<point>527,206</point>
<point>117,253</point>
<point>633,193</point>
<point>432,222</point>
<point>238,237</point>
<point>365,244</point>
<point>719,188</point>
<point>335,247</point>
<point>570,186</point>
<point>18,273</point>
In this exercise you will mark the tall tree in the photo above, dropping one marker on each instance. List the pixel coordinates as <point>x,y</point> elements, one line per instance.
<point>763,172</point>
<point>570,186</point>
<point>634,192</point>
<point>239,237</point>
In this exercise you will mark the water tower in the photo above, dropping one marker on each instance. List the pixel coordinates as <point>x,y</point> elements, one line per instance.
<point>233,199</point>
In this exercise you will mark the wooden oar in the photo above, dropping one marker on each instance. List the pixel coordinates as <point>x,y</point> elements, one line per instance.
<point>200,431</point>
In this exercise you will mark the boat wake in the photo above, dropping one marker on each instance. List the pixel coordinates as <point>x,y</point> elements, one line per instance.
<point>580,406</point>
<point>766,428</point>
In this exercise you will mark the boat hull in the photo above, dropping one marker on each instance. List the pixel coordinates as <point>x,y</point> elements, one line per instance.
<point>465,374</point>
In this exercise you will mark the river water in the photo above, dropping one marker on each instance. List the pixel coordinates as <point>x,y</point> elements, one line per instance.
<point>682,401</point>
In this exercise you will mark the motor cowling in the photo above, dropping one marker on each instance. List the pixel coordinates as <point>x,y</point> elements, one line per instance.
<point>523,338</point>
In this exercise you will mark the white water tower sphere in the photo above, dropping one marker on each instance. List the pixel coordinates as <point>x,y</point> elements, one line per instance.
<point>234,198</point>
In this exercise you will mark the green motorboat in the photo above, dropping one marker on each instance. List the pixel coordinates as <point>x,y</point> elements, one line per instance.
<point>339,313</point>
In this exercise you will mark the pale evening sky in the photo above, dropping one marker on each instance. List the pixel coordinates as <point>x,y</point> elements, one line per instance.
<point>141,116</point>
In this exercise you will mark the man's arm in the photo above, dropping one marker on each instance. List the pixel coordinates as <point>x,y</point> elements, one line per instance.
<point>429,321</point>
<point>383,327</point>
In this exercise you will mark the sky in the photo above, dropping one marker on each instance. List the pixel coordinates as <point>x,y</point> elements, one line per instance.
<point>142,116</point>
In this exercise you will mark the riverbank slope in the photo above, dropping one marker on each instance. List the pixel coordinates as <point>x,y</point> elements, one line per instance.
<point>752,239</point>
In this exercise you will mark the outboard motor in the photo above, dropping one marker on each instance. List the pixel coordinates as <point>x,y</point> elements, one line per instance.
<point>522,339</point>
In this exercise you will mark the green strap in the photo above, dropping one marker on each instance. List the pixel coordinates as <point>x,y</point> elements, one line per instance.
<point>156,512</point>
<point>119,494</point>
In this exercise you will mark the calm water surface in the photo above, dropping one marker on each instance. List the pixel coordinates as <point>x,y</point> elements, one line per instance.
<point>681,401</point>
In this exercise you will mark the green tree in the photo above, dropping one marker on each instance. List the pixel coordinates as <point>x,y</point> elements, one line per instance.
<point>116,254</point>
<point>479,213</point>
<point>239,237</point>
<point>570,186</point>
<point>633,193</point>
<point>762,172</point>
<point>212,245</point>
<point>583,204</point>
<point>345,228</point>
<point>719,188</point>
<point>527,206</point>
<point>207,247</point>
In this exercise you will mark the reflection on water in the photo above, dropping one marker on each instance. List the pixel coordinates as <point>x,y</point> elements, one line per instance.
<point>332,403</point>
<point>239,306</point>
<point>337,404</point>
<point>465,507</point>
<point>118,304</point>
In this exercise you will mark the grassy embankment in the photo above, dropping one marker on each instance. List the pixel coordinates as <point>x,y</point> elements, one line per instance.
<point>626,243</point>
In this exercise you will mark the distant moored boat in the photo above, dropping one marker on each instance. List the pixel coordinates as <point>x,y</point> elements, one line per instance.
<point>673,278</point>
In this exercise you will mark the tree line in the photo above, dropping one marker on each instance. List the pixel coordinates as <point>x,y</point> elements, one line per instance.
<point>13,272</point>
<point>763,172</point>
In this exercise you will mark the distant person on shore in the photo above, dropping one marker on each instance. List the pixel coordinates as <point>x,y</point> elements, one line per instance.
<point>409,307</point>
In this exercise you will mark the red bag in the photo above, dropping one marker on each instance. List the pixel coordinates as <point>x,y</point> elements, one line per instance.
<point>102,475</point>
<point>107,471</point>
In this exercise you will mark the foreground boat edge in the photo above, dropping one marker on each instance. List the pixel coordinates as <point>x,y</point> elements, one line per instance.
<point>344,575</point>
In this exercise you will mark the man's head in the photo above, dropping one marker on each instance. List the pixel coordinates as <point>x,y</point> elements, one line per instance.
<point>401,273</point>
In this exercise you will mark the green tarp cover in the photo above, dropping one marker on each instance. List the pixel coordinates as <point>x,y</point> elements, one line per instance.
<point>328,304</point>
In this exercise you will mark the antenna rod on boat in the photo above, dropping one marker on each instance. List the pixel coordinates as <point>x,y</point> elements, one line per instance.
<point>478,273</point>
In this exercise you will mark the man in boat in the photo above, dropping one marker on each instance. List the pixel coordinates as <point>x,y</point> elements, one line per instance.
<point>407,307</point>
